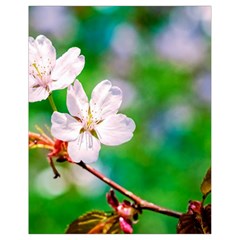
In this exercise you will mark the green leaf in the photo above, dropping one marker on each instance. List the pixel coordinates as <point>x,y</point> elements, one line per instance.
<point>206,183</point>
<point>95,222</point>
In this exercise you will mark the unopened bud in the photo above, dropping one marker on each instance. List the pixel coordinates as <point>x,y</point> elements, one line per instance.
<point>112,200</point>
<point>125,225</point>
<point>194,207</point>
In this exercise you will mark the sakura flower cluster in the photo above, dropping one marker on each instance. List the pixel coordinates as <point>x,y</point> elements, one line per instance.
<point>90,123</point>
<point>46,73</point>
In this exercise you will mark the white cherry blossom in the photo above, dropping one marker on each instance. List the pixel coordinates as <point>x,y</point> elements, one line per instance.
<point>92,123</point>
<point>46,73</point>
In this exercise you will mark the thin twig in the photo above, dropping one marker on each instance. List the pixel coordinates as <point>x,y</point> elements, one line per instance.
<point>55,171</point>
<point>142,204</point>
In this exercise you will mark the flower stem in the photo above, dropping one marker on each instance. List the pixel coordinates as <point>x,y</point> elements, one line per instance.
<point>142,204</point>
<point>50,98</point>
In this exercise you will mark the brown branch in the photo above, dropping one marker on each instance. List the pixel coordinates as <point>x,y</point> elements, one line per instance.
<point>142,204</point>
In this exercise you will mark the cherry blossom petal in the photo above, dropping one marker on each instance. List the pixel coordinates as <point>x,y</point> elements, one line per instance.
<point>105,100</point>
<point>42,53</point>
<point>36,93</point>
<point>115,130</point>
<point>67,67</point>
<point>77,101</point>
<point>32,50</point>
<point>42,57</point>
<point>86,148</point>
<point>65,127</point>
<point>32,82</point>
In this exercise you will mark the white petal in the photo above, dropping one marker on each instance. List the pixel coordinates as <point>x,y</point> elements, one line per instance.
<point>105,100</point>
<point>42,53</point>
<point>65,127</point>
<point>67,67</point>
<point>85,148</point>
<point>77,101</point>
<point>36,94</point>
<point>32,81</point>
<point>115,130</point>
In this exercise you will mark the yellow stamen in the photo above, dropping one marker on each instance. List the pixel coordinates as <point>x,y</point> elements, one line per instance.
<point>89,122</point>
<point>39,73</point>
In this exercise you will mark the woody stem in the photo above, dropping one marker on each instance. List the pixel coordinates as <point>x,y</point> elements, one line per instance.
<point>140,202</point>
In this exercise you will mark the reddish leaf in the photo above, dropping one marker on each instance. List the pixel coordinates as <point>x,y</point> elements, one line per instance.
<point>189,224</point>
<point>95,222</point>
<point>206,184</point>
<point>196,220</point>
<point>206,216</point>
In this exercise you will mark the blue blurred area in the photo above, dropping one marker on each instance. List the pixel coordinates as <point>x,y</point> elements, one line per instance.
<point>161,58</point>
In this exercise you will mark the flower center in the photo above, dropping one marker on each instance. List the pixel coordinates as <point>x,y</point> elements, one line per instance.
<point>89,129</point>
<point>41,74</point>
<point>89,123</point>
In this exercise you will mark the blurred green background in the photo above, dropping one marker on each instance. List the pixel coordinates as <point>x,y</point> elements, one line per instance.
<point>161,58</point>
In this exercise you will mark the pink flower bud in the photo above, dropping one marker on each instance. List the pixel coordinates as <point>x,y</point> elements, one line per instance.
<point>126,225</point>
<point>125,211</point>
<point>194,207</point>
<point>112,200</point>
